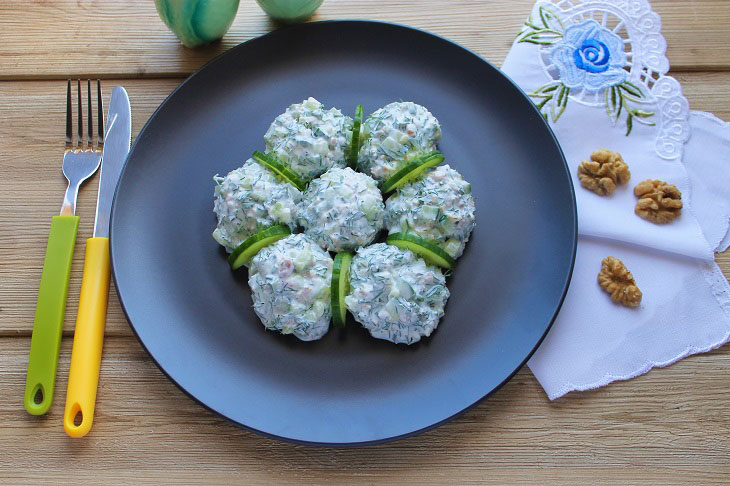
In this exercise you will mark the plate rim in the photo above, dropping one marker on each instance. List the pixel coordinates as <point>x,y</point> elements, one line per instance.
<point>306,25</point>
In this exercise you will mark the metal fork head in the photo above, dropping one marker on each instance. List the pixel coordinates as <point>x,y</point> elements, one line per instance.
<point>83,153</point>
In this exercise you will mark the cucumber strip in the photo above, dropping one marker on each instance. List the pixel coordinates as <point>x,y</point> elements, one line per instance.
<point>340,287</point>
<point>412,170</point>
<point>280,169</point>
<point>355,142</point>
<point>254,243</point>
<point>430,251</point>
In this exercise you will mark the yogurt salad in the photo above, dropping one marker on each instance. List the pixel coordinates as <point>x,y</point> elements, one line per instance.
<point>251,198</point>
<point>290,287</point>
<point>284,210</point>
<point>394,294</point>
<point>342,210</point>
<point>438,207</point>
<point>310,138</point>
<point>395,135</point>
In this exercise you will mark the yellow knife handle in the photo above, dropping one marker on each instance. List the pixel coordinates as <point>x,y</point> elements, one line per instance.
<point>83,376</point>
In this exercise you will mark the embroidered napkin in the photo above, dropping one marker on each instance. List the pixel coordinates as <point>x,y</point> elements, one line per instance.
<point>597,72</point>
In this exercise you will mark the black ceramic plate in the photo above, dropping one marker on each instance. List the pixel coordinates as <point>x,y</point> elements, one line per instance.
<point>194,316</point>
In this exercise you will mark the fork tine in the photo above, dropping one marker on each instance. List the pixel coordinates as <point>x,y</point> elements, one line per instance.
<point>90,132</point>
<point>100,114</point>
<point>69,117</point>
<point>80,143</point>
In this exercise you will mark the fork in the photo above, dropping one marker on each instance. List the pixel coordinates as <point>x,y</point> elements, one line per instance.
<point>81,159</point>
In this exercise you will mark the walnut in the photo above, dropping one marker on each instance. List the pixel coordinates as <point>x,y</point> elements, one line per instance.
<point>603,172</point>
<point>616,279</point>
<point>659,202</point>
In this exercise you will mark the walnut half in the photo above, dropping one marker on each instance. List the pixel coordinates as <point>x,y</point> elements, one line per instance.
<point>616,279</point>
<point>659,202</point>
<point>603,172</point>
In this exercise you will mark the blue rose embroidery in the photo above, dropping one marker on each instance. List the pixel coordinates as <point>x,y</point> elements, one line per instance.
<point>587,56</point>
<point>590,57</point>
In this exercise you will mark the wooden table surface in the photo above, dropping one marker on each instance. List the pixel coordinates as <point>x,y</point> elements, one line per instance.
<point>670,425</point>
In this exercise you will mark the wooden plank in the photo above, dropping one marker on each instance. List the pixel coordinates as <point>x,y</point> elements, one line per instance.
<point>668,426</point>
<point>66,38</point>
<point>707,91</point>
<point>31,188</point>
<point>695,34</point>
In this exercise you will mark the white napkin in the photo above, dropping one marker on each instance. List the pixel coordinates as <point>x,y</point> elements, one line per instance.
<point>707,160</point>
<point>580,61</point>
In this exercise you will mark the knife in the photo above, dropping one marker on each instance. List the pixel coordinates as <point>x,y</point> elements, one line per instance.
<point>83,376</point>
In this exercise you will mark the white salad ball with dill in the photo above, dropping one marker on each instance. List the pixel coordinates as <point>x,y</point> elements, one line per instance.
<point>394,135</point>
<point>437,207</point>
<point>251,198</point>
<point>342,210</point>
<point>290,287</point>
<point>394,294</point>
<point>310,139</point>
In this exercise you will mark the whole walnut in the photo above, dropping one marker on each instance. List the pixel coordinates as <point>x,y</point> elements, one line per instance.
<point>603,172</point>
<point>616,279</point>
<point>658,202</point>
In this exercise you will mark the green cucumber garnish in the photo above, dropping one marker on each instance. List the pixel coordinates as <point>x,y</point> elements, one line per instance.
<point>340,287</point>
<point>430,251</point>
<point>280,169</point>
<point>412,170</point>
<point>254,243</point>
<point>355,142</point>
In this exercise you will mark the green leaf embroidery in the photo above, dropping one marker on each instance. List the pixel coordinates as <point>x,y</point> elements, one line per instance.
<point>617,101</point>
<point>550,20</point>
<point>560,104</point>
<point>543,102</point>
<point>554,99</point>
<point>542,36</point>
<point>620,105</point>
<point>545,91</point>
<point>549,33</point>
<point>642,113</point>
<point>631,89</point>
<point>611,103</point>
<point>531,25</point>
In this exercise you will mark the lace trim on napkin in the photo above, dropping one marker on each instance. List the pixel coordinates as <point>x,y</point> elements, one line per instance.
<point>609,54</point>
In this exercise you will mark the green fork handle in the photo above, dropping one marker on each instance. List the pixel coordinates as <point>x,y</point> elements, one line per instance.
<point>49,313</point>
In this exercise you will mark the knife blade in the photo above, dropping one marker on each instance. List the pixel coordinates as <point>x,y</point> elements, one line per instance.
<point>83,377</point>
<point>116,147</point>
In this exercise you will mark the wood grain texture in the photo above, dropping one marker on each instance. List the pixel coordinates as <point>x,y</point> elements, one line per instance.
<point>670,426</point>
<point>707,91</point>
<point>33,187</point>
<point>147,430</point>
<point>97,38</point>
